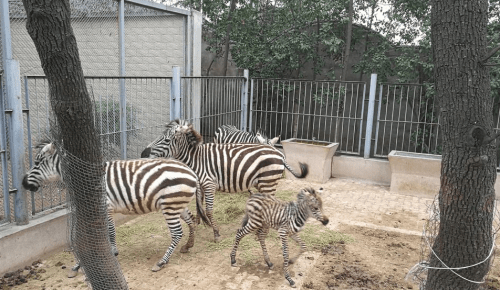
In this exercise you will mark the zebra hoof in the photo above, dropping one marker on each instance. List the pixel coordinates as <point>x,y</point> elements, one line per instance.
<point>217,239</point>
<point>185,249</point>
<point>157,267</point>
<point>72,274</point>
<point>271,266</point>
<point>292,284</point>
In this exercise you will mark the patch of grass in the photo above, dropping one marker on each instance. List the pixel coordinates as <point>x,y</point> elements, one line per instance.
<point>229,207</point>
<point>287,195</point>
<point>151,224</point>
<point>317,236</point>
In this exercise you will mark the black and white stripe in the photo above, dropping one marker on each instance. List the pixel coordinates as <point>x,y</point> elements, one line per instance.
<point>231,134</point>
<point>135,187</point>
<point>265,211</point>
<point>223,167</point>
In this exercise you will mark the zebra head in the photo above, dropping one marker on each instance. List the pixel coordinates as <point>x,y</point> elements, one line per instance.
<point>178,137</point>
<point>313,202</point>
<point>46,167</point>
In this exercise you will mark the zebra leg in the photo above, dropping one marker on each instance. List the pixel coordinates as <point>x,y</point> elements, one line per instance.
<point>284,243</point>
<point>243,231</point>
<point>209,200</point>
<point>262,233</point>
<point>74,270</point>
<point>112,234</point>
<point>302,245</point>
<point>188,218</point>
<point>174,225</point>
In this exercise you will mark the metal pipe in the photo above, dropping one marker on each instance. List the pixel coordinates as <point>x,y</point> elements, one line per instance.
<point>123,98</point>
<point>369,121</point>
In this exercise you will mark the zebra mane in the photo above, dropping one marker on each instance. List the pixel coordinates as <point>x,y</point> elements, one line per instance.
<point>193,137</point>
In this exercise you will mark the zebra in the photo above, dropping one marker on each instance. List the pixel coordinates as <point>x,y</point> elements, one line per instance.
<point>224,167</point>
<point>231,134</point>
<point>265,211</point>
<point>134,187</point>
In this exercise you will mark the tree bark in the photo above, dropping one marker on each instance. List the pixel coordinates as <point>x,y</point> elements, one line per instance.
<point>48,24</point>
<point>468,171</point>
<point>228,32</point>
<point>348,41</point>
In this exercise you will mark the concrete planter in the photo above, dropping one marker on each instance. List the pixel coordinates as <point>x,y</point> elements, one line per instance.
<point>415,173</point>
<point>317,154</point>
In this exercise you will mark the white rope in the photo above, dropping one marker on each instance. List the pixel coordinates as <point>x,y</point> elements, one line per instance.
<point>424,264</point>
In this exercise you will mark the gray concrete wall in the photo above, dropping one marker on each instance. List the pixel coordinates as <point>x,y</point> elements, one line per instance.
<point>43,236</point>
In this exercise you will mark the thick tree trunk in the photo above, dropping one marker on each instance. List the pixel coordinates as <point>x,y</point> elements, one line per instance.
<point>468,169</point>
<point>228,32</point>
<point>48,24</point>
<point>348,41</point>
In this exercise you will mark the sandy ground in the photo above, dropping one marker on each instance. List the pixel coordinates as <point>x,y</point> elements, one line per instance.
<point>383,241</point>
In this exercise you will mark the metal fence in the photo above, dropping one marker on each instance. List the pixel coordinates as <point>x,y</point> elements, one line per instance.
<point>407,120</point>
<point>315,110</point>
<point>219,101</point>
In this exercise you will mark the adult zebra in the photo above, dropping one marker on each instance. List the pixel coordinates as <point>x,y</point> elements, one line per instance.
<point>231,134</point>
<point>135,187</point>
<point>223,167</point>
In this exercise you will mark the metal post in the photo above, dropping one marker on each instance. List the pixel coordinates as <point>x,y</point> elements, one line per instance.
<point>369,121</point>
<point>3,154</point>
<point>175,94</point>
<point>123,98</point>
<point>251,105</point>
<point>14,106</point>
<point>244,102</point>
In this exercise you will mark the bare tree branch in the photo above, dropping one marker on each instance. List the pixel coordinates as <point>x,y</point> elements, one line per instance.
<point>491,53</point>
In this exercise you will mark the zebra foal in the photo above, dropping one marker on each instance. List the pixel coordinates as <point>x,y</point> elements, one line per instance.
<point>265,211</point>
<point>231,134</point>
<point>223,167</point>
<point>134,187</point>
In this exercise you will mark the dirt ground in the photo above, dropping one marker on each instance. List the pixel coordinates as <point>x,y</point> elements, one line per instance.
<point>371,242</point>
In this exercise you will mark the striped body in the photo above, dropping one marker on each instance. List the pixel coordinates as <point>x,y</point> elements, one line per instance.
<point>223,167</point>
<point>265,211</point>
<point>231,134</point>
<point>135,187</point>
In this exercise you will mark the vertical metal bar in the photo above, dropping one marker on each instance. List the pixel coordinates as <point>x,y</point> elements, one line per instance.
<point>244,102</point>
<point>369,121</point>
<point>123,98</point>
<point>28,127</point>
<point>361,118</point>
<point>251,105</point>
<point>175,95</point>
<point>3,148</point>
<point>378,118</point>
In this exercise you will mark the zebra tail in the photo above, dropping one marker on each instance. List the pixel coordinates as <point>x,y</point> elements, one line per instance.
<point>200,194</point>
<point>304,170</point>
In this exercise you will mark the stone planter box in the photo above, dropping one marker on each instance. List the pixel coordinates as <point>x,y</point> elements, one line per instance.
<point>317,154</point>
<point>415,173</point>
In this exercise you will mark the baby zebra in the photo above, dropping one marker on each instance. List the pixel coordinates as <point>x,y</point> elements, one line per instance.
<point>231,134</point>
<point>264,211</point>
<point>135,187</point>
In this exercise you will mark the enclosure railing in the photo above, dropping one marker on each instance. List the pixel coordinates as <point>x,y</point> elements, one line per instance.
<point>315,110</point>
<point>407,120</point>
<point>219,101</point>
<point>5,200</point>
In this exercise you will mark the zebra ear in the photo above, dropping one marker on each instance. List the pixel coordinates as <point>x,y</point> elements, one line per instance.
<point>274,140</point>
<point>49,149</point>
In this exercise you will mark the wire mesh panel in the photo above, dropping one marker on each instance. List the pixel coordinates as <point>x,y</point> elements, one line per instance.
<point>407,120</point>
<point>146,112</point>
<point>220,99</point>
<point>314,110</point>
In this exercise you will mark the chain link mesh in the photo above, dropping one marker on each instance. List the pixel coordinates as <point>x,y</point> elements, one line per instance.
<point>418,273</point>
